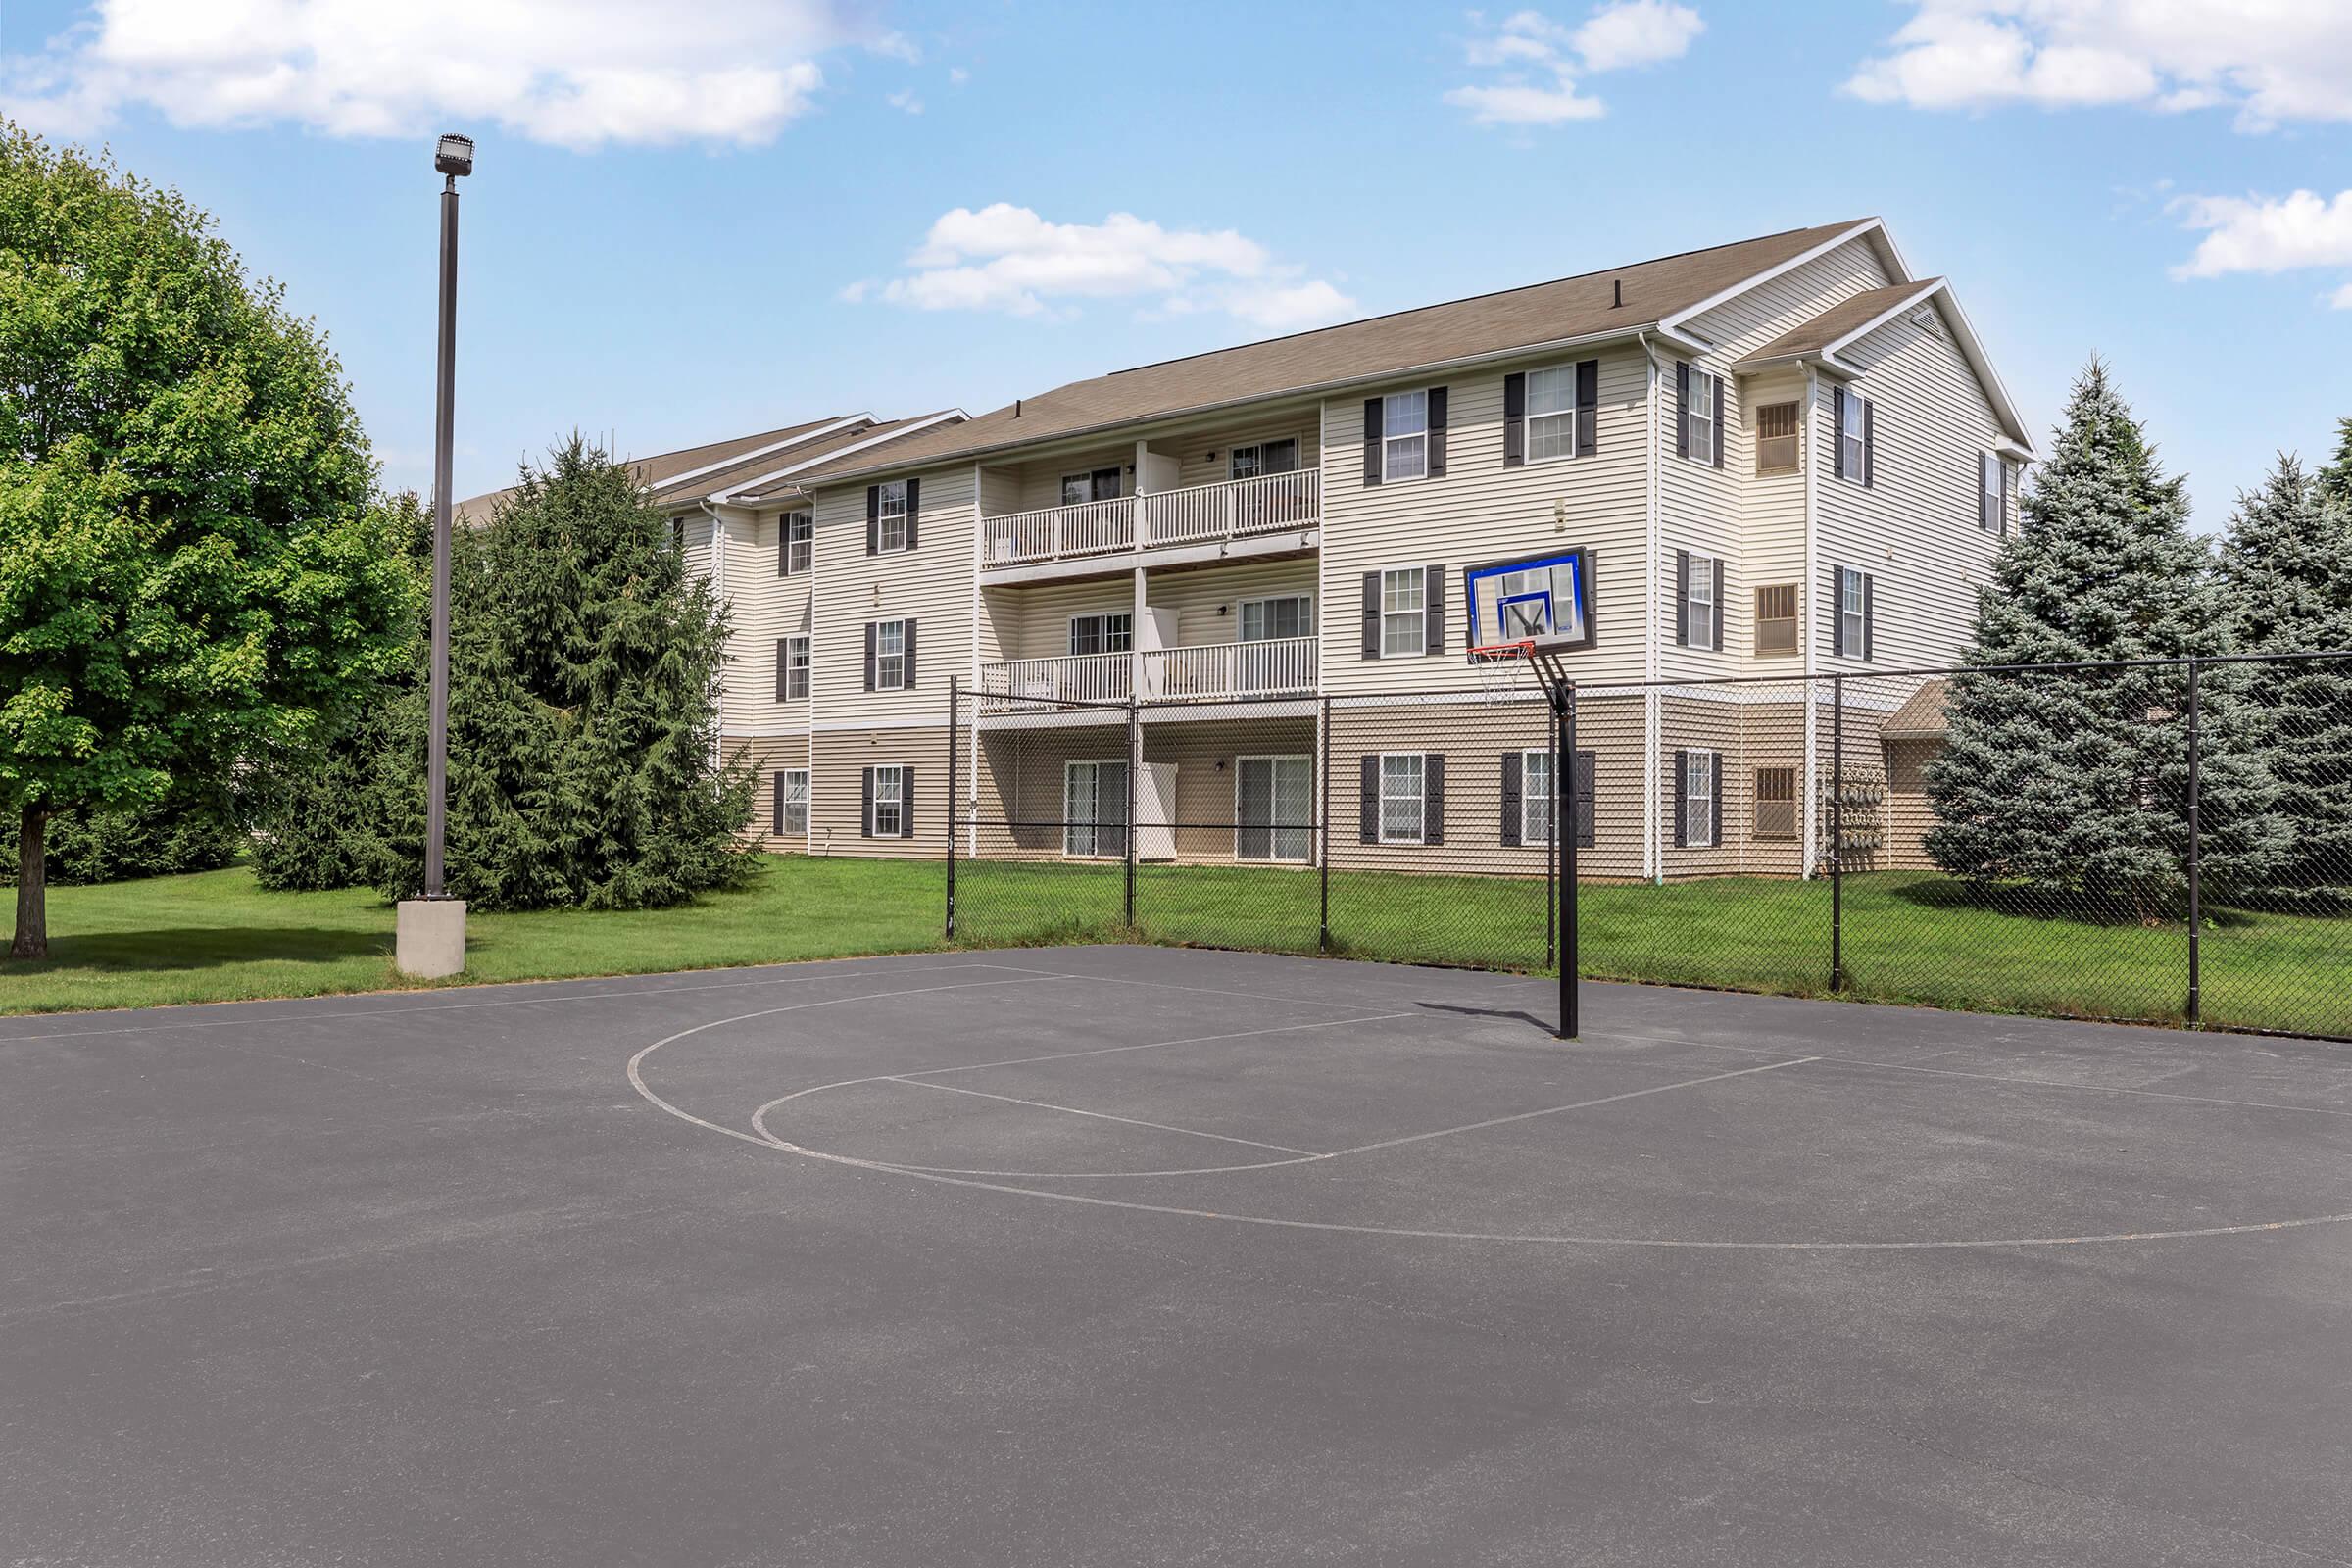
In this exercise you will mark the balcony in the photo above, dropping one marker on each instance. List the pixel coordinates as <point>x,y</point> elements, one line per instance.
<point>1206,513</point>
<point>1283,667</point>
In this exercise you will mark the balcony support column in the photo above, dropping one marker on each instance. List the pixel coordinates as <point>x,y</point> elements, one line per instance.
<point>1136,622</point>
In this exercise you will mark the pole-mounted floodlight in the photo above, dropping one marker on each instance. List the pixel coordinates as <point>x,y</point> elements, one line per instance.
<point>432,933</point>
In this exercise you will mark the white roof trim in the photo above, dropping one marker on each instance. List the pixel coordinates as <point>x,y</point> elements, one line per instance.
<point>1675,323</point>
<point>763,480</point>
<point>1972,348</point>
<point>1922,291</point>
<point>742,458</point>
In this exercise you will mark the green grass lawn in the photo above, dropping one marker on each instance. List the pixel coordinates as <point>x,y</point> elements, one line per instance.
<point>1909,937</point>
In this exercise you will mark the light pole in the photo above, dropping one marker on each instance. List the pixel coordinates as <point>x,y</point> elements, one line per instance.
<point>431,931</point>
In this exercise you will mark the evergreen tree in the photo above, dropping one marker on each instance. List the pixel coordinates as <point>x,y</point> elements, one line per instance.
<point>2286,569</point>
<point>2335,476</point>
<point>2073,784</point>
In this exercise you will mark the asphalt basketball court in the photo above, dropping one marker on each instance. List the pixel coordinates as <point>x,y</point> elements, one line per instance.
<point>1138,1255</point>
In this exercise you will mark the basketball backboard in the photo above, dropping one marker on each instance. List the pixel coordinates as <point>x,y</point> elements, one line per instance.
<point>1546,600</point>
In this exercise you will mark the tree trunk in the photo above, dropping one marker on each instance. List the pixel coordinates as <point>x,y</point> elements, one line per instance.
<point>33,886</point>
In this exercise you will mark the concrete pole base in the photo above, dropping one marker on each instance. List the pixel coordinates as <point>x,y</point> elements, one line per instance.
<point>430,938</point>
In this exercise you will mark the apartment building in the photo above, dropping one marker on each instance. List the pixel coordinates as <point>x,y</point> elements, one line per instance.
<point>1788,455</point>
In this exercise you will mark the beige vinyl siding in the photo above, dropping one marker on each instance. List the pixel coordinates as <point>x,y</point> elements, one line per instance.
<point>930,585</point>
<point>1206,457</point>
<point>1915,530</point>
<point>764,608</point>
<point>1023,768</point>
<point>1701,510</point>
<point>1033,622</point>
<point>1037,483</point>
<point>696,536</point>
<point>1479,511</point>
<point>767,756</point>
<point>836,793</point>
<point>1773,536</point>
<point>1208,602</point>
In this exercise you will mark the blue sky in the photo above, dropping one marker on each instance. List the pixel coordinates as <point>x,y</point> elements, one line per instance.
<point>689,223</point>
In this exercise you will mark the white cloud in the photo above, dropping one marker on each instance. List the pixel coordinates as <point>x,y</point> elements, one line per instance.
<point>957,75</point>
<point>2270,234</point>
<point>575,73</point>
<point>1537,62</point>
<point>2272,60</point>
<point>1007,258</point>
<point>907,100</point>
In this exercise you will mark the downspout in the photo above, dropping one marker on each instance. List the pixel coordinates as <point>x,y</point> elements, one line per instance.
<point>1807,454</point>
<point>718,590</point>
<point>1653,862</point>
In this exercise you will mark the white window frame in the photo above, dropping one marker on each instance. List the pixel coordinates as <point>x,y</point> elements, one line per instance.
<point>1419,797</point>
<point>1796,437</point>
<point>1992,493</point>
<point>1853,612</point>
<point>1092,831</point>
<point>890,666</point>
<point>800,541</point>
<point>895,801</point>
<point>1698,785</point>
<point>1233,457</point>
<point>1392,619</point>
<point>795,666</point>
<point>1395,408</point>
<point>1087,478</point>
<point>1264,604</point>
<point>793,802</point>
<point>1274,830</point>
<point>1534,825</point>
<point>1700,608</point>
<point>890,527</point>
<point>1562,417</point>
<point>1698,417</point>
<point>1855,457</point>
<point>1123,635</point>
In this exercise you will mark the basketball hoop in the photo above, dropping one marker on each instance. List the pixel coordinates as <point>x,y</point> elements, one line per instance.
<point>1501,667</point>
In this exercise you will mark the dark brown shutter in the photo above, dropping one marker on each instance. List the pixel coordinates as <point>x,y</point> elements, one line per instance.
<point>914,516</point>
<point>2004,462</point>
<point>1870,615</point>
<point>780,812</point>
<point>1372,434</point>
<point>1984,496</point>
<point>1437,432</point>
<point>1433,608</point>
<point>1836,432</point>
<point>909,680</point>
<point>783,668</point>
<point>1513,820</point>
<point>1682,803</point>
<point>873,519</point>
<point>1716,609</point>
<point>870,655</point>
<point>1433,798</point>
<point>1837,610</point>
<point>1587,407</point>
<point>1587,766</point>
<point>866,808</point>
<point>1870,443</point>
<point>783,544</point>
<point>1514,420</point>
<point>1681,598</point>
<point>1682,408</point>
<point>1368,787</point>
<point>1371,614</point>
<point>1721,434</point>
<point>1715,798</point>
<point>907,803</point>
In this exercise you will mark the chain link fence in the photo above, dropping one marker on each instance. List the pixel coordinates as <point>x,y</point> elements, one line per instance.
<point>2159,840</point>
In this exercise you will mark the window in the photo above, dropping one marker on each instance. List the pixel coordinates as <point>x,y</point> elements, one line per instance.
<point>1777,425</point>
<point>1102,484</point>
<point>1405,436</point>
<point>799,540</point>
<point>890,517</point>
<point>1853,614</point>
<point>890,656</point>
<point>1775,805</point>
<point>1274,807</point>
<point>1094,809</point>
<point>1700,627</point>
<point>1699,800</point>
<point>1401,797</point>
<point>791,803</point>
<point>1992,493</point>
<point>889,803</point>
<point>1534,796</point>
<point>1402,613</point>
<point>1776,619</point>
<point>796,667</point>
<point>1853,446</point>
<point>1699,415</point>
<point>1264,457</point>
<point>1102,634</point>
<point>1551,413</point>
<point>1264,619</point>
<point>677,534</point>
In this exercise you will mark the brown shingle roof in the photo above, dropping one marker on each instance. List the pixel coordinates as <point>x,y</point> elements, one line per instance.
<point>788,486</point>
<point>1816,335</point>
<point>658,471</point>
<point>1921,718</point>
<point>1541,313</point>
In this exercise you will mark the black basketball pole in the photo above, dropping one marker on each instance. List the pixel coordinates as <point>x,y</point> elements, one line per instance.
<point>1563,704</point>
<point>1836,833</point>
<point>2196,912</point>
<point>954,791</point>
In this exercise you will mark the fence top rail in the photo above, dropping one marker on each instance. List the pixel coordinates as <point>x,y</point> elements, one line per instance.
<point>1835,675</point>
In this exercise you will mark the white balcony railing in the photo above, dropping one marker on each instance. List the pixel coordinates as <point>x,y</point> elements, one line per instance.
<point>1088,529</point>
<point>1080,678</point>
<point>1273,668</point>
<point>1233,508</point>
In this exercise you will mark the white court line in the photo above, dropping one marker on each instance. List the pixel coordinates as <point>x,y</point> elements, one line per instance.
<point>1554,1111</point>
<point>1104,1115</point>
<point>329,1017</point>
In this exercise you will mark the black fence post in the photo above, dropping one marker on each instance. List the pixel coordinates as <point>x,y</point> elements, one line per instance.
<point>1563,706</point>
<point>1135,763</point>
<point>1323,834</point>
<point>2196,913</point>
<point>1551,842</point>
<point>1836,833</point>
<point>955,789</point>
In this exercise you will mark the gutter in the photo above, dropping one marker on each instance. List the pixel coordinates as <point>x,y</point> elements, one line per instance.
<point>907,427</point>
<point>1651,736</point>
<point>1809,452</point>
